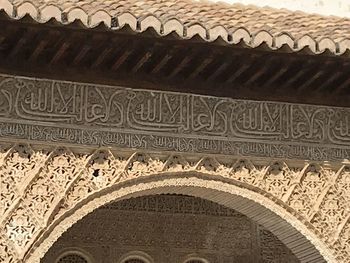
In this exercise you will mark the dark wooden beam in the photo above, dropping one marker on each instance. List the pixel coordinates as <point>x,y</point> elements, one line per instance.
<point>304,70</point>
<point>182,63</point>
<point>247,63</point>
<point>344,86</point>
<point>101,58</point>
<point>74,53</point>
<point>145,57</point>
<point>275,76</point>
<point>120,60</point>
<point>165,59</point>
<point>327,67</point>
<point>265,67</point>
<point>23,41</point>
<point>203,64</point>
<point>60,52</point>
<point>219,70</point>
<point>38,49</point>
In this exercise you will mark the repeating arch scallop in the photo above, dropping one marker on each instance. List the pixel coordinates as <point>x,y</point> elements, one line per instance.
<point>284,39</point>
<point>127,19</point>
<point>7,6</point>
<point>77,14</point>
<point>218,31</point>
<point>82,253</point>
<point>173,25</point>
<point>140,255</point>
<point>344,45</point>
<point>306,41</point>
<point>150,22</point>
<point>262,37</point>
<point>49,12</point>
<point>327,43</point>
<point>241,34</point>
<point>27,8</point>
<point>99,17</point>
<point>196,29</point>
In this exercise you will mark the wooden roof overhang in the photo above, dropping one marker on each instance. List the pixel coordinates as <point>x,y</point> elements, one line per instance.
<point>146,60</point>
<point>194,46</point>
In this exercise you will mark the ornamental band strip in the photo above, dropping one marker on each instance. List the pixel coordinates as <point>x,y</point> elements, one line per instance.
<point>97,115</point>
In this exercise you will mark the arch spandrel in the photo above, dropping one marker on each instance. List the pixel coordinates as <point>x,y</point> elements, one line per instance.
<point>76,183</point>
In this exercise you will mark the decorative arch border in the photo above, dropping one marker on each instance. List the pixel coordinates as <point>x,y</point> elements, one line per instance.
<point>195,257</point>
<point>136,254</point>
<point>198,185</point>
<point>75,251</point>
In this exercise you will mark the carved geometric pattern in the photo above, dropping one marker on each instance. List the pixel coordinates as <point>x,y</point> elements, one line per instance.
<point>7,255</point>
<point>73,258</point>
<point>21,228</point>
<point>182,223</point>
<point>270,246</point>
<point>306,193</point>
<point>20,166</point>
<point>173,204</point>
<point>41,186</point>
<point>342,245</point>
<point>278,179</point>
<point>335,206</point>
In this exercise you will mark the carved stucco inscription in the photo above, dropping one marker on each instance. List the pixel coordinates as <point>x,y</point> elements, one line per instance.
<point>95,115</point>
<point>38,186</point>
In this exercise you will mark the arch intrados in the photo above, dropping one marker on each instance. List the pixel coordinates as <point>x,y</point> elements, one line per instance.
<point>306,246</point>
<point>192,258</point>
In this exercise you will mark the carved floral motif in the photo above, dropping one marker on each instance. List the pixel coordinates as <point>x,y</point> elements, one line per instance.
<point>6,254</point>
<point>20,228</point>
<point>63,179</point>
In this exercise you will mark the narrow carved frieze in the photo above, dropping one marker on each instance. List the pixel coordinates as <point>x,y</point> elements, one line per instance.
<point>53,111</point>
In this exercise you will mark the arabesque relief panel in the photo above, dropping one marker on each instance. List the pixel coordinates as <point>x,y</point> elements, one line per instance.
<point>87,138</point>
<point>58,179</point>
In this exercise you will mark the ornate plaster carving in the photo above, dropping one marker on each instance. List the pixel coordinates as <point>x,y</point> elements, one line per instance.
<point>95,115</point>
<point>303,194</point>
<point>258,147</point>
<point>179,229</point>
